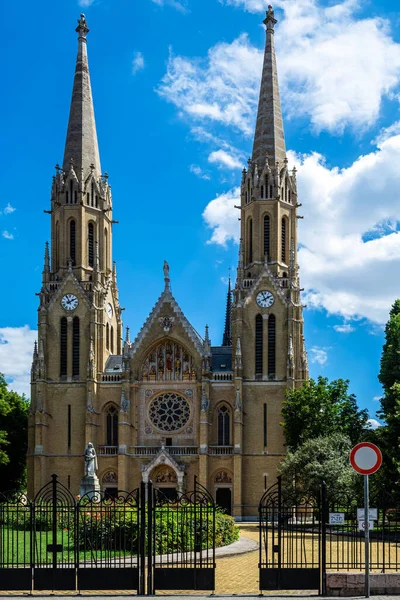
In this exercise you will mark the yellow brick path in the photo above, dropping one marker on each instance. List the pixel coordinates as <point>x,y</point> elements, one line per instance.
<point>239,574</point>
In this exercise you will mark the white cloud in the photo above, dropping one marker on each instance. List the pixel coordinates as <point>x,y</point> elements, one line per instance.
<point>85,3</point>
<point>137,63</point>
<point>180,5</point>
<point>350,246</point>
<point>16,348</point>
<point>222,216</point>
<point>223,88</point>
<point>223,158</point>
<point>198,171</point>
<point>335,71</point>
<point>6,234</point>
<point>318,355</point>
<point>377,398</point>
<point>345,328</point>
<point>8,209</point>
<point>374,424</point>
<point>386,133</point>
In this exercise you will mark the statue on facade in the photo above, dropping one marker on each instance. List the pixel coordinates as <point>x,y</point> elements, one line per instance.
<point>166,270</point>
<point>91,465</point>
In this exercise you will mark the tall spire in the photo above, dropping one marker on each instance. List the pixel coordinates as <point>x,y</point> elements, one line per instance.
<point>269,138</point>
<point>81,146</point>
<point>227,339</point>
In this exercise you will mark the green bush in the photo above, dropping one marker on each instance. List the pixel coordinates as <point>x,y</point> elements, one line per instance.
<point>116,528</point>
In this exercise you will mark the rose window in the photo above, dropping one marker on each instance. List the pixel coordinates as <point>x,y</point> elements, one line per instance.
<point>169,412</point>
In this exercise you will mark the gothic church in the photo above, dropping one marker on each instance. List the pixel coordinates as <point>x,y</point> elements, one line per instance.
<point>167,404</point>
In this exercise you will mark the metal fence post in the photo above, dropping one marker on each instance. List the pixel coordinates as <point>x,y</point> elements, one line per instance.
<point>142,539</point>
<point>150,524</point>
<point>324,517</point>
<point>280,519</point>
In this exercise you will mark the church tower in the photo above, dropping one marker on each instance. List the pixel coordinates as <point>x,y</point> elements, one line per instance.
<point>166,405</point>
<point>79,324</point>
<point>267,321</point>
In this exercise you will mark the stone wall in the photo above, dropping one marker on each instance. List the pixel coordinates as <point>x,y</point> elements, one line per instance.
<point>352,584</point>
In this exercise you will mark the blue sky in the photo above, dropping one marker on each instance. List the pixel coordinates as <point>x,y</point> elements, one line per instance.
<point>175,86</point>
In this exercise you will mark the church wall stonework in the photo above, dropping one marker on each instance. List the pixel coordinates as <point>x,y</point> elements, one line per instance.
<point>166,405</point>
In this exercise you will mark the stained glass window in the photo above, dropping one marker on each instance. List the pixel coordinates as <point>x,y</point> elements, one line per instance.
<point>168,361</point>
<point>169,412</point>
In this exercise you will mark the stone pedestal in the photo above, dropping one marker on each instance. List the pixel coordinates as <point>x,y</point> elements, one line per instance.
<point>90,487</point>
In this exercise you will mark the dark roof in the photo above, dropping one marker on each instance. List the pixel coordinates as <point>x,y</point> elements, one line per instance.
<point>221,358</point>
<point>113,364</point>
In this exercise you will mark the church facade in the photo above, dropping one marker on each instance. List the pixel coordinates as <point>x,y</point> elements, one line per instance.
<point>167,404</point>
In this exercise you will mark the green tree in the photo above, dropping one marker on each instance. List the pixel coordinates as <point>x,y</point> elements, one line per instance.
<point>324,458</point>
<point>13,437</point>
<point>388,437</point>
<point>322,408</point>
<point>390,360</point>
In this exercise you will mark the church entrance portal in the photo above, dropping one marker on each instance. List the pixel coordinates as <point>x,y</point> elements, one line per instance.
<point>223,498</point>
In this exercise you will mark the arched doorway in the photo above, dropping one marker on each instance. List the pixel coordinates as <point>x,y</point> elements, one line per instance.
<point>110,484</point>
<point>223,491</point>
<point>164,478</point>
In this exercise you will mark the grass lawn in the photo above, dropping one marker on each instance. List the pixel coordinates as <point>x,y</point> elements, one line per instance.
<point>15,549</point>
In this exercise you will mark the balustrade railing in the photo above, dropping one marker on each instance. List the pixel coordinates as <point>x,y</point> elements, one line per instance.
<point>220,450</point>
<point>110,378</point>
<point>222,376</point>
<point>173,450</point>
<point>107,450</point>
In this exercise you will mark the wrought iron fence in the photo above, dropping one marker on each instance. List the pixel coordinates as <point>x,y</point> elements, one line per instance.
<point>183,540</point>
<point>139,541</point>
<point>345,542</point>
<point>290,530</point>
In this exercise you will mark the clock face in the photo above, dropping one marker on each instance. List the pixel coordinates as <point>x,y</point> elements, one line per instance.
<point>264,299</point>
<point>69,302</point>
<point>109,310</point>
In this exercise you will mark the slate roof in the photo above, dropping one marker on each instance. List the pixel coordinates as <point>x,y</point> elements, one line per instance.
<point>221,358</point>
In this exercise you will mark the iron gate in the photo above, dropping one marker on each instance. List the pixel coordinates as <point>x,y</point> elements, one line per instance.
<point>139,541</point>
<point>290,540</point>
<point>185,526</point>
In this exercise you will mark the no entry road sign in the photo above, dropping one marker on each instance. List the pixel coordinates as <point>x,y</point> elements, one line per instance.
<point>365,458</point>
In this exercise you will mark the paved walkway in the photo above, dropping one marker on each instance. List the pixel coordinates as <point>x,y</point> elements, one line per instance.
<point>236,573</point>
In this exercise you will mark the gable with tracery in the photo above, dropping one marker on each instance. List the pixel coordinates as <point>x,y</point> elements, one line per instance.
<point>168,361</point>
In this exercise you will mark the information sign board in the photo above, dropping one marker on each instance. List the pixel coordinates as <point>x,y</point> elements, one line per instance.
<point>336,518</point>
<point>372,514</point>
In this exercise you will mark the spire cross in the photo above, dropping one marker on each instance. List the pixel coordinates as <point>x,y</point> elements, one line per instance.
<point>270,20</point>
<point>82,28</point>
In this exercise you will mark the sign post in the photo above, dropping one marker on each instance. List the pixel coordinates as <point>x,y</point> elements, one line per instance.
<point>366,521</point>
<point>366,458</point>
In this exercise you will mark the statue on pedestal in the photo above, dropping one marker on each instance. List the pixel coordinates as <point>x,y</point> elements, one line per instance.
<point>90,486</point>
<point>91,465</point>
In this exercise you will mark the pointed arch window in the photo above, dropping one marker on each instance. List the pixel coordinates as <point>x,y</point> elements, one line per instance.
<point>259,345</point>
<point>72,241</point>
<point>267,236</point>
<point>106,258</point>
<point>91,244</point>
<point>112,426</point>
<point>75,347</point>
<point>56,249</point>
<point>112,339</point>
<point>283,240</point>
<point>250,240</point>
<point>107,336</point>
<point>271,346</point>
<point>224,426</point>
<point>63,347</point>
